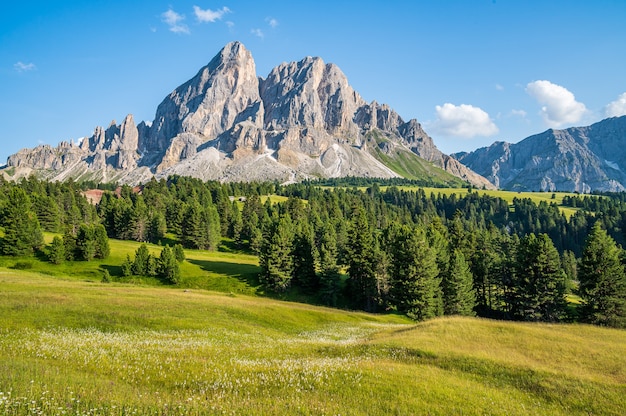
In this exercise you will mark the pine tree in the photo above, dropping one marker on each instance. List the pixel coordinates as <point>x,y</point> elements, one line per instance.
<point>141,264</point>
<point>22,232</point>
<point>458,287</point>
<point>85,243</point>
<point>168,268</point>
<point>275,257</point>
<point>101,241</point>
<point>329,277</point>
<point>361,256</point>
<point>602,281</point>
<point>179,253</point>
<point>56,254</point>
<point>540,281</point>
<point>413,273</point>
<point>304,259</point>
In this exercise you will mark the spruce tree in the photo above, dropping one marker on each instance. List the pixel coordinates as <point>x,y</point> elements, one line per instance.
<point>275,256</point>
<point>101,241</point>
<point>361,258</point>
<point>413,273</point>
<point>329,277</point>
<point>22,232</point>
<point>168,268</point>
<point>141,264</point>
<point>85,243</point>
<point>56,254</point>
<point>602,281</point>
<point>540,282</point>
<point>458,287</point>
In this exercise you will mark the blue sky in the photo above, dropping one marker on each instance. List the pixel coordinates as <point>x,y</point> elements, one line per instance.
<point>472,72</point>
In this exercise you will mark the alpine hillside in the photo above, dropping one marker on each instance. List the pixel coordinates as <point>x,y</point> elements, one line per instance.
<point>578,159</point>
<point>302,121</point>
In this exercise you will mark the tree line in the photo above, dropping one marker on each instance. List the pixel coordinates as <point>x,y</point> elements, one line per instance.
<point>379,249</point>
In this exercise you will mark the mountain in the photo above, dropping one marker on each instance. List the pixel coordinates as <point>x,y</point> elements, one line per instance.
<point>303,121</point>
<point>578,159</point>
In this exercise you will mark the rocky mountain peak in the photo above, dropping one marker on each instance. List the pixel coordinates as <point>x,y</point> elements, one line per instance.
<point>303,120</point>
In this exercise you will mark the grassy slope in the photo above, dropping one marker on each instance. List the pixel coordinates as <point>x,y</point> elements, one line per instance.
<point>80,346</point>
<point>536,197</point>
<point>410,166</point>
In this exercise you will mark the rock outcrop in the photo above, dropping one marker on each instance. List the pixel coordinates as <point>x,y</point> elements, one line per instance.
<point>303,120</point>
<point>578,159</point>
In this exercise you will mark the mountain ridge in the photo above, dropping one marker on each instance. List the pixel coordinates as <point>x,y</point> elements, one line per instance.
<point>303,120</point>
<point>576,159</point>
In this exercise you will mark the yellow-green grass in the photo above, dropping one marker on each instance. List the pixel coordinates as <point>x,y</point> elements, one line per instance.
<point>508,196</point>
<point>76,347</point>
<point>211,270</point>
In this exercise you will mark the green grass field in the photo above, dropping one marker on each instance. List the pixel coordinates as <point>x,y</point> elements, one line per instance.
<point>70,344</point>
<point>508,196</point>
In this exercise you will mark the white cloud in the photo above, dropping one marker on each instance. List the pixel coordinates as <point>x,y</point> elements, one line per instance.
<point>559,106</point>
<point>519,113</point>
<point>271,21</point>
<point>258,32</point>
<point>22,67</point>
<point>209,15</point>
<point>616,108</point>
<point>230,24</point>
<point>174,21</point>
<point>463,121</point>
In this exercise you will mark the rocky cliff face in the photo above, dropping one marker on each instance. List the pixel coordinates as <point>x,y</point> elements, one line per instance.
<point>303,120</point>
<point>580,159</point>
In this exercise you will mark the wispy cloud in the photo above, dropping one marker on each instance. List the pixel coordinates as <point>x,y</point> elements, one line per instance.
<point>616,108</point>
<point>258,32</point>
<point>499,87</point>
<point>271,21</point>
<point>559,106</point>
<point>175,22</point>
<point>464,121</point>
<point>518,113</point>
<point>208,15</point>
<point>22,67</point>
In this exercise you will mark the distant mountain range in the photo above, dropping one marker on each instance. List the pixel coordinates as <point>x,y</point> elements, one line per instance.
<point>302,121</point>
<point>578,159</point>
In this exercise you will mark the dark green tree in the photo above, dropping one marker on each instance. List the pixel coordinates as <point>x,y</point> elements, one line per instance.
<point>361,257</point>
<point>168,268</point>
<point>540,283</point>
<point>275,257</point>
<point>141,264</point>
<point>458,287</point>
<point>101,241</point>
<point>85,243</point>
<point>413,273</point>
<point>22,232</point>
<point>602,281</point>
<point>56,253</point>
<point>179,253</point>
<point>329,276</point>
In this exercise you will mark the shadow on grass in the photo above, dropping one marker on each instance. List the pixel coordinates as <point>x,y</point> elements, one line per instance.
<point>245,273</point>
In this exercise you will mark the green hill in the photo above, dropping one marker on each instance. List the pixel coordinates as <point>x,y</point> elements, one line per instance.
<point>71,345</point>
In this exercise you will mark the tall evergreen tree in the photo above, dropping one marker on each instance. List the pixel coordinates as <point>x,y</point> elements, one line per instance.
<point>602,281</point>
<point>56,254</point>
<point>22,232</point>
<point>329,276</point>
<point>275,257</point>
<point>168,268</point>
<point>413,273</point>
<point>540,283</point>
<point>361,258</point>
<point>458,287</point>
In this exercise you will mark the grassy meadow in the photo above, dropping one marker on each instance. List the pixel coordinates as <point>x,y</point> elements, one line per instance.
<point>508,196</point>
<point>70,344</point>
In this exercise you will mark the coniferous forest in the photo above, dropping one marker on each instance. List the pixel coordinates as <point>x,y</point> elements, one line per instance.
<point>380,247</point>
